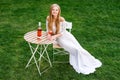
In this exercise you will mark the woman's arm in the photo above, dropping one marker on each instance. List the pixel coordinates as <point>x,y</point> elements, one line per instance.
<point>59,34</point>
<point>56,36</point>
<point>50,36</point>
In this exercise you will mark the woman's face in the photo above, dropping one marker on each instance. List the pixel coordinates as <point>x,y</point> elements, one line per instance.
<point>55,11</point>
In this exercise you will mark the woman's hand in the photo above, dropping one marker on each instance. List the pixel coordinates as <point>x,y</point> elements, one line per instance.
<point>53,37</point>
<point>49,37</point>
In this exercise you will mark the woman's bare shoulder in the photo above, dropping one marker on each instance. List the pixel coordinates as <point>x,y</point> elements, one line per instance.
<point>47,18</point>
<point>62,19</point>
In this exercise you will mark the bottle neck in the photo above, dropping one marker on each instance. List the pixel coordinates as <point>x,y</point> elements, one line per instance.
<point>39,27</point>
<point>39,24</point>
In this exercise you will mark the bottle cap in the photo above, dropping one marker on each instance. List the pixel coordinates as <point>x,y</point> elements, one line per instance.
<point>39,24</point>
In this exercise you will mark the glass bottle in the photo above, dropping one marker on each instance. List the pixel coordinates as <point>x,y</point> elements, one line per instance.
<point>39,30</point>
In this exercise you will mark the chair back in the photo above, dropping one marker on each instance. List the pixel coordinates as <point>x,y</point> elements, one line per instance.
<point>68,25</point>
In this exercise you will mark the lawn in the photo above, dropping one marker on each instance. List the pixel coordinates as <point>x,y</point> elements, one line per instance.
<point>96,26</point>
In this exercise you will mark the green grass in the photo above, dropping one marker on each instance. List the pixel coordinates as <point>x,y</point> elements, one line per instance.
<point>96,25</point>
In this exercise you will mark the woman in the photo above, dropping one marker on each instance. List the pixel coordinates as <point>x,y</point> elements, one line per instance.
<point>81,60</point>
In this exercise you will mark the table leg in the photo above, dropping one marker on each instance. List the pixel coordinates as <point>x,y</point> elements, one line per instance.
<point>33,53</point>
<point>45,51</point>
<point>42,51</point>
<point>48,56</point>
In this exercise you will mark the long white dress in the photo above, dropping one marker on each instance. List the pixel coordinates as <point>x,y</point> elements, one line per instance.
<point>81,60</point>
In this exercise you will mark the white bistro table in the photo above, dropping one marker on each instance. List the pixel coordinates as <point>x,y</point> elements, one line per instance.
<point>41,48</point>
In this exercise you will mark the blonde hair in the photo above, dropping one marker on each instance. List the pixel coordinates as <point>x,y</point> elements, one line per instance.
<point>50,20</point>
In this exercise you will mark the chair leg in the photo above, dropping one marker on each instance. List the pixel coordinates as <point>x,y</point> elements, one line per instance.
<point>57,52</point>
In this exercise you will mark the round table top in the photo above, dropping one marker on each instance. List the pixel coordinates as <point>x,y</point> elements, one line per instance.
<point>32,38</point>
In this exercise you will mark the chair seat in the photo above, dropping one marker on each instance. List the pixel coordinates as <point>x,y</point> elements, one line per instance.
<point>56,46</point>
